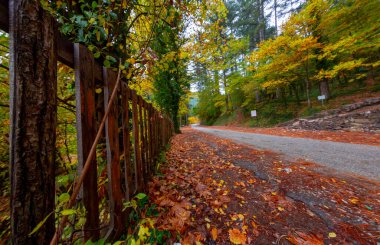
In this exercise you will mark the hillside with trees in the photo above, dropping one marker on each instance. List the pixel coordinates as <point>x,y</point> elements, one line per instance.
<point>247,61</point>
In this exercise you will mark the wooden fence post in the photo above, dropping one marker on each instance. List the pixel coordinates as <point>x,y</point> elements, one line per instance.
<point>126,141</point>
<point>33,119</point>
<point>142,139</point>
<point>136,143</point>
<point>86,132</point>
<point>146,143</point>
<point>113,158</point>
<point>149,138</point>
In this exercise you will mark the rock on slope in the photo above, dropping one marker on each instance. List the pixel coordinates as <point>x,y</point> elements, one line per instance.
<point>363,116</point>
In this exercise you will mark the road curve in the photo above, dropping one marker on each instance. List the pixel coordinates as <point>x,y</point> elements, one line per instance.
<point>362,160</point>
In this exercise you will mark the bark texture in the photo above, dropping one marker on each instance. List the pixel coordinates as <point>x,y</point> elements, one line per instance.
<point>324,88</point>
<point>33,79</point>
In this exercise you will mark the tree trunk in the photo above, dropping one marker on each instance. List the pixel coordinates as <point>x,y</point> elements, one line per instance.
<point>324,88</point>
<point>308,92</point>
<point>296,94</point>
<point>283,95</point>
<point>33,116</point>
<point>275,17</point>
<point>261,21</point>
<point>257,96</point>
<point>225,91</point>
<point>278,93</point>
<point>176,122</point>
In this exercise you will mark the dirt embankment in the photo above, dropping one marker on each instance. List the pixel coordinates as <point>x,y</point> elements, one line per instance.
<point>362,116</point>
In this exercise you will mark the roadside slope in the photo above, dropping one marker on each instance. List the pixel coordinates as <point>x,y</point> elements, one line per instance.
<point>364,138</point>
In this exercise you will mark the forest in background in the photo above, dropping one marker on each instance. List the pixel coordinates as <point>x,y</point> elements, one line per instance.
<point>235,53</point>
<point>247,61</point>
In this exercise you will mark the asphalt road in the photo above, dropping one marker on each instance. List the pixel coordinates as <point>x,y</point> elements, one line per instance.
<point>362,160</point>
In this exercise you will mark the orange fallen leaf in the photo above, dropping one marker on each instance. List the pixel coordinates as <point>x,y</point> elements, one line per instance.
<point>254,226</point>
<point>214,233</point>
<point>237,237</point>
<point>304,239</point>
<point>354,200</point>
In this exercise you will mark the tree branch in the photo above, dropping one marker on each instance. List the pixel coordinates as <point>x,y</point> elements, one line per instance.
<point>5,67</point>
<point>4,105</point>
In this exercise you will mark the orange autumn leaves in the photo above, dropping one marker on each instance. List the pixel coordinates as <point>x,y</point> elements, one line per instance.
<point>204,197</point>
<point>237,237</point>
<point>192,203</point>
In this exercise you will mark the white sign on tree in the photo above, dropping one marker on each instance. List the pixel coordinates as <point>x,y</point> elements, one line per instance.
<point>322,98</point>
<point>253,113</point>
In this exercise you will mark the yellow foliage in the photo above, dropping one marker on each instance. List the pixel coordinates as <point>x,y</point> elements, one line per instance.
<point>193,120</point>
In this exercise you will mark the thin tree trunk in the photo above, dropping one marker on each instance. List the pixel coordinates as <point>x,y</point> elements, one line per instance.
<point>308,92</point>
<point>225,91</point>
<point>257,95</point>
<point>275,17</point>
<point>261,21</point>
<point>324,88</point>
<point>283,95</point>
<point>296,94</point>
<point>33,115</point>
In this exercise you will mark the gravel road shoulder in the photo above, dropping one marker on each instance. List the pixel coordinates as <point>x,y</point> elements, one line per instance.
<point>362,160</point>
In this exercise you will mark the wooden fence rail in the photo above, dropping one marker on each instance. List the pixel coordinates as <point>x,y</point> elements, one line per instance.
<point>134,134</point>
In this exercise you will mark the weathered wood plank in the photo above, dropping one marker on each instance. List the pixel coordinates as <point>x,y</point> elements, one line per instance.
<point>33,120</point>
<point>86,132</point>
<point>149,138</point>
<point>152,138</point>
<point>155,123</point>
<point>66,56</point>
<point>113,158</point>
<point>126,141</point>
<point>142,137</point>
<point>136,144</point>
<point>147,165</point>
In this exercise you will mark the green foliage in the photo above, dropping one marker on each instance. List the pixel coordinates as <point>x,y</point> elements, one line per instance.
<point>169,75</point>
<point>310,111</point>
<point>142,220</point>
<point>322,42</point>
<point>4,114</point>
<point>108,28</point>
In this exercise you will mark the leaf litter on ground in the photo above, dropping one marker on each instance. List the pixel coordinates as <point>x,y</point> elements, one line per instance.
<point>215,191</point>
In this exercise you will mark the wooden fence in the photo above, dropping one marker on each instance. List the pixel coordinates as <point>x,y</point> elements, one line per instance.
<point>134,134</point>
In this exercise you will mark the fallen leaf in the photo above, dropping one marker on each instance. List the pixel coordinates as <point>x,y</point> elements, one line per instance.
<point>304,239</point>
<point>237,237</point>
<point>354,200</point>
<point>368,207</point>
<point>214,233</point>
<point>332,235</point>
<point>241,217</point>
